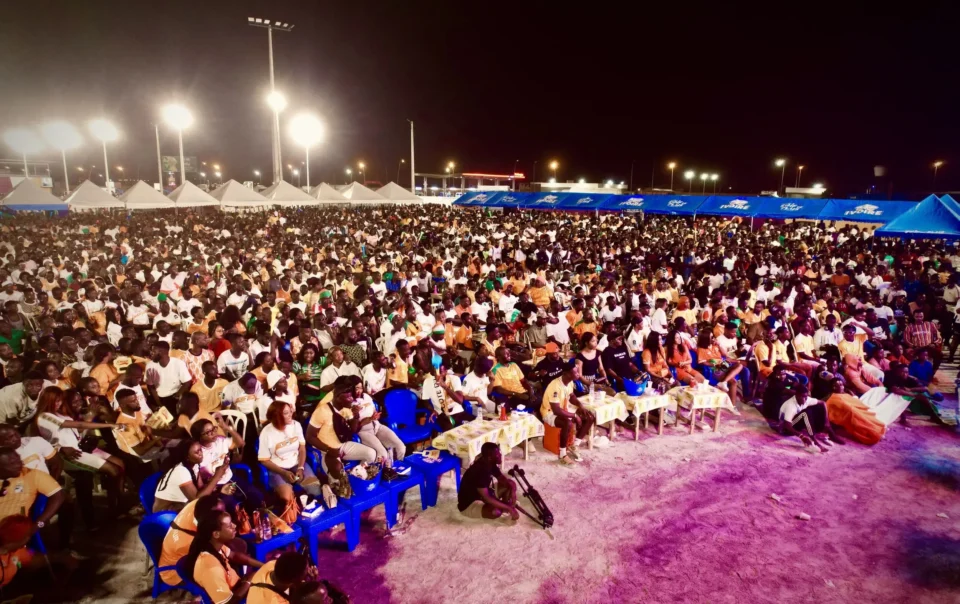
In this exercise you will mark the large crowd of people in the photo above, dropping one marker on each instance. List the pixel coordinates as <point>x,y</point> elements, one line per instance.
<point>179,344</point>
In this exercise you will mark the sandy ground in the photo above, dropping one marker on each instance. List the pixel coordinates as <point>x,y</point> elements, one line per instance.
<point>672,518</point>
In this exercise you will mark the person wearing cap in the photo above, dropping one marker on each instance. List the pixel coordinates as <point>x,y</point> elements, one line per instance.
<point>278,388</point>
<point>556,412</point>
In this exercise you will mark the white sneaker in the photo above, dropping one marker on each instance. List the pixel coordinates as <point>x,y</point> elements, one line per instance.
<point>723,386</point>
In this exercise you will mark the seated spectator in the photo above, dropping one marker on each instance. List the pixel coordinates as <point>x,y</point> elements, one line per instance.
<point>277,580</point>
<point>921,368</point>
<point>283,452</point>
<point>18,402</point>
<point>183,483</point>
<point>678,357</point>
<point>508,381</point>
<point>725,369</point>
<point>210,561</point>
<point>330,433</point>
<point>368,427</point>
<point>555,411</point>
<point>858,381</point>
<point>209,389</point>
<point>176,543</point>
<point>617,362</point>
<point>217,451</point>
<point>655,361</point>
<point>445,393</point>
<point>806,417</point>
<point>477,387</point>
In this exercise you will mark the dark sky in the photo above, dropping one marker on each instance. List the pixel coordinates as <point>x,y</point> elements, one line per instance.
<point>719,89</point>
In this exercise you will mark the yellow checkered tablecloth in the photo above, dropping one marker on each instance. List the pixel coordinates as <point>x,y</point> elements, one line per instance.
<point>709,398</point>
<point>607,409</point>
<point>465,441</point>
<point>645,403</point>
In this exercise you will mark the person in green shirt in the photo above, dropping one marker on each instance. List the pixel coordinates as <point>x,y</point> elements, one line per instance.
<point>14,337</point>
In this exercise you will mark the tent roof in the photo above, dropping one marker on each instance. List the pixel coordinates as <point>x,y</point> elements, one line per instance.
<point>675,205</point>
<point>142,196</point>
<point>729,205</point>
<point>864,210</point>
<point>474,198</point>
<point>324,192</point>
<point>189,195</point>
<point>393,191</point>
<point>89,195</point>
<point>232,193</point>
<point>584,201</point>
<point>932,218</point>
<point>28,195</point>
<point>285,193</point>
<point>357,192</point>
<point>778,207</point>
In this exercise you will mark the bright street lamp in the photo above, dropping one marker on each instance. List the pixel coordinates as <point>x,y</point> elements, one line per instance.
<point>179,117</point>
<point>104,131</point>
<point>349,174</point>
<point>818,185</point>
<point>307,131</point>
<point>218,175</point>
<point>689,174</point>
<point>297,174</point>
<point>553,166</point>
<point>216,166</point>
<point>936,167</point>
<point>672,166</point>
<point>361,166</point>
<point>63,136</point>
<point>582,181</point>
<point>25,142</point>
<point>203,175</point>
<point>714,178</point>
<point>799,172</point>
<point>609,183</point>
<point>782,164</point>
<point>275,130</point>
<point>402,161</point>
<point>704,178</point>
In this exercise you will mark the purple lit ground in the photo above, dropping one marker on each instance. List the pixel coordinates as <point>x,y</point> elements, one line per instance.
<point>674,518</point>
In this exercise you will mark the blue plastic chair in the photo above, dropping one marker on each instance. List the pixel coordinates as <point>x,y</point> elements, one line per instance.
<point>401,407</point>
<point>148,491</point>
<point>188,585</point>
<point>312,527</point>
<point>152,530</point>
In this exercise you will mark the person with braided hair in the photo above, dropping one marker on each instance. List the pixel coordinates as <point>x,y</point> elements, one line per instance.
<point>210,561</point>
<point>183,482</point>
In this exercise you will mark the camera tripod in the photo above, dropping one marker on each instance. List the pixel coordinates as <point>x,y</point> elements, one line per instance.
<point>545,517</point>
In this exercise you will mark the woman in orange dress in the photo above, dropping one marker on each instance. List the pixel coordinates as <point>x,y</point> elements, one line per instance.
<point>848,412</point>
<point>654,360</point>
<point>103,370</point>
<point>679,358</point>
<point>725,370</point>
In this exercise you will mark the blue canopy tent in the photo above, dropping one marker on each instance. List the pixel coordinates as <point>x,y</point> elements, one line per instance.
<point>676,205</point>
<point>508,199</point>
<point>583,201</point>
<point>781,208</point>
<point>475,198</point>
<point>860,210</point>
<point>728,205</point>
<point>951,202</point>
<point>542,201</point>
<point>932,218</point>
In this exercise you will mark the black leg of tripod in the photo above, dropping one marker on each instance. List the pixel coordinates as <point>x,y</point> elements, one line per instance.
<point>529,515</point>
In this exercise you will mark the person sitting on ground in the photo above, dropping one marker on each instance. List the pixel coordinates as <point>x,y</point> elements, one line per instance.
<point>806,417</point>
<point>850,413</point>
<point>555,412</point>
<point>210,561</point>
<point>858,381</point>
<point>477,497</point>
<point>183,483</point>
<point>914,395</point>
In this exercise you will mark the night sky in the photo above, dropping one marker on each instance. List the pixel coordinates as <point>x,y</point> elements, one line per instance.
<point>717,89</point>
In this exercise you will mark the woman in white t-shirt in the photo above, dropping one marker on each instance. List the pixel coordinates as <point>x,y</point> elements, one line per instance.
<point>55,422</point>
<point>283,452</point>
<point>215,451</point>
<point>183,483</point>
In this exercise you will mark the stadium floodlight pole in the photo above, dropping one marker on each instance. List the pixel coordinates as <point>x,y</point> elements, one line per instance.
<point>413,174</point>
<point>270,26</point>
<point>24,142</point>
<point>105,132</point>
<point>307,131</point>
<point>689,174</point>
<point>179,117</point>
<point>936,167</point>
<point>799,174</point>
<point>672,166</point>
<point>704,178</point>
<point>63,136</point>
<point>782,164</point>
<point>714,178</point>
<point>159,162</point>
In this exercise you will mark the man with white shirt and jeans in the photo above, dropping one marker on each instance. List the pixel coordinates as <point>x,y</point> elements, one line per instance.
<point>167,378</point>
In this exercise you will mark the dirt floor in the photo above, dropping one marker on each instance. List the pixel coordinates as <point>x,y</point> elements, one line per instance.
<point>672,518</point>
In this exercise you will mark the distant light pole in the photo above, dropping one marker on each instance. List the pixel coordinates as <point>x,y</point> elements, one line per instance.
<point>402,161</point>
<point>219,176</point>
<point>672,165</point>
<point>297,174</point>
<point>360,167</point>
<point>714,178</point>
<point>179,117</point>
<point>203,175</point>
<point>936,167</point>
<point>689,174</point>
<point>63,136</point>
<point>782,164</point>
<point>799,173</point>
<point>704,178</point>
<point>514,183</point>
<point>275,142</point>
<point>553,166</point>
<point>349,174</point>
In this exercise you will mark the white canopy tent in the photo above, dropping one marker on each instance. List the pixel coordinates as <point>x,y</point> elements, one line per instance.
<point>142,196</point>
<point>325,193</point>
<point>395,192</point>
<point>28,196</point>
<point>357,192</point>
<point>285,194</point>
<point>234,194</point>
<point>189,195</point>
<point>89,196</point>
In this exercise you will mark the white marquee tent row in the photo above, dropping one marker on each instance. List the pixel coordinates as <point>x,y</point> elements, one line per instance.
<point>27,195</point>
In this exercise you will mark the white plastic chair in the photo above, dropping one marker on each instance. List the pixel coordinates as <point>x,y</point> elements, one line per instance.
<point>236,419</point>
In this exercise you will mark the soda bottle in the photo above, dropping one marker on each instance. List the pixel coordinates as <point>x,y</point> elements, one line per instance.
<point>257,534</point>
<point>503,413</point>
